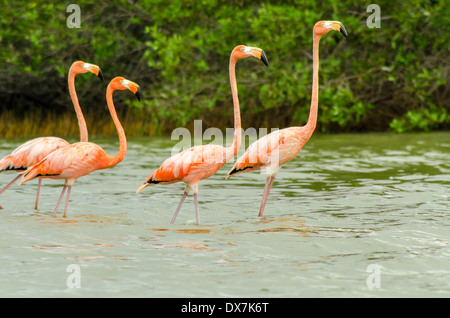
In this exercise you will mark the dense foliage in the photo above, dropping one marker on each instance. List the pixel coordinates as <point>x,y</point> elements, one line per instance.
<point>395,77</point>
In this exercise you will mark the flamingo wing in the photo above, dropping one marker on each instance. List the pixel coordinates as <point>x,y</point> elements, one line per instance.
<point>191,165</point>
<point>271,151</point>
<point>70,162</point>
<point>31,152</point>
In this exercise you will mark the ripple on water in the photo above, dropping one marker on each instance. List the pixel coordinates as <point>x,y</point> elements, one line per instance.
<point>346,202</point>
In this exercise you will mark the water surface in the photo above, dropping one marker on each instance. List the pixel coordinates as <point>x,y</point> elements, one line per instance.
<point>347,202</point>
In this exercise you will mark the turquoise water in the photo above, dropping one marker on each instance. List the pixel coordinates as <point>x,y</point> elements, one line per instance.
<point>352,216</point>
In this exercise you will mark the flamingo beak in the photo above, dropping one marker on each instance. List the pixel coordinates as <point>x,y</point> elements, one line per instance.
<point>264,58</point>
<point>138,94</point>
<point>94,69</point>
<point>256,52</point>
<point>336,26</point>
<point>100,75</point>
<point>142,186</point>
<point>133,87</point>
<point>343,30</point>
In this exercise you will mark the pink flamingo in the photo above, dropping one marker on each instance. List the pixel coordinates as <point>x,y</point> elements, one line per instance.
<point>201,162</point>
<point>36,149</point>
<point>279,147</point>
<point>79,159</point>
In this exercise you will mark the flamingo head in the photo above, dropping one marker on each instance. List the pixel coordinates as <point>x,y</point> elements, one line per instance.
<point>81,67</point>
<point>242,51</point>
<point>323,27</point>
<point>120,83</point>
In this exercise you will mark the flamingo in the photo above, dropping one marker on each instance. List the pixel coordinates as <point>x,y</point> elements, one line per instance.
<point>279,147</point>
<point>201,162</point>
<point>33,151</point>
<point>81,158</point>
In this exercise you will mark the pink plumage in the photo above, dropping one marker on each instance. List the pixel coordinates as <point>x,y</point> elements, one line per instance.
<point>272,151</point>
<point>35,150</point>
<point>79,159</point>
<point>190,166</point>
<point>198,163</point>
<point>31,153</point>
<point>27,155</point>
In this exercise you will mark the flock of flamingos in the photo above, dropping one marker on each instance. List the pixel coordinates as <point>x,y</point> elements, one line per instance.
<point>53,157</point>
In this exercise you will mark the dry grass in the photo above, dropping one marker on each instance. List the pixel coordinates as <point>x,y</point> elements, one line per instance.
<point>37,123</point>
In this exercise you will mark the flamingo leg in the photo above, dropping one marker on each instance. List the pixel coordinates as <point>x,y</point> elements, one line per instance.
<point>59,200</point>
<point>267,187</point>
<point>67,199</point>
<point>37,194</point>
<point>197,215</point>
<point>10,184</point>
<point>186,191</point>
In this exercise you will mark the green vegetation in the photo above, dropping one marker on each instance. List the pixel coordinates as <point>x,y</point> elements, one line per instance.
<point>378,79</point>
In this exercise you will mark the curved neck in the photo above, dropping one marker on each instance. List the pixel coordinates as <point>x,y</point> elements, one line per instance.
<point>112,161</point>
<point>312,120</point>
<point>237,114</point>
<point>76,105</point>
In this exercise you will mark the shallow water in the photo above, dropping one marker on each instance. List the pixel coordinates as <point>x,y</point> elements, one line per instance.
<point>352,216</point>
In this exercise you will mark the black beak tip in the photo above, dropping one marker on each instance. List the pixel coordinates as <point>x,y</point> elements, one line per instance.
<point>343,30</point>
<point>100,75</point>
<point>138,94</point>
<point>264,58</point>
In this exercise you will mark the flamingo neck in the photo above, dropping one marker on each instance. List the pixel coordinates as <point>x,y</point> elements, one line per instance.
<point>312,120</point>
<point>76,105</point>
<point>112,161</point>
<point>237,114</point>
